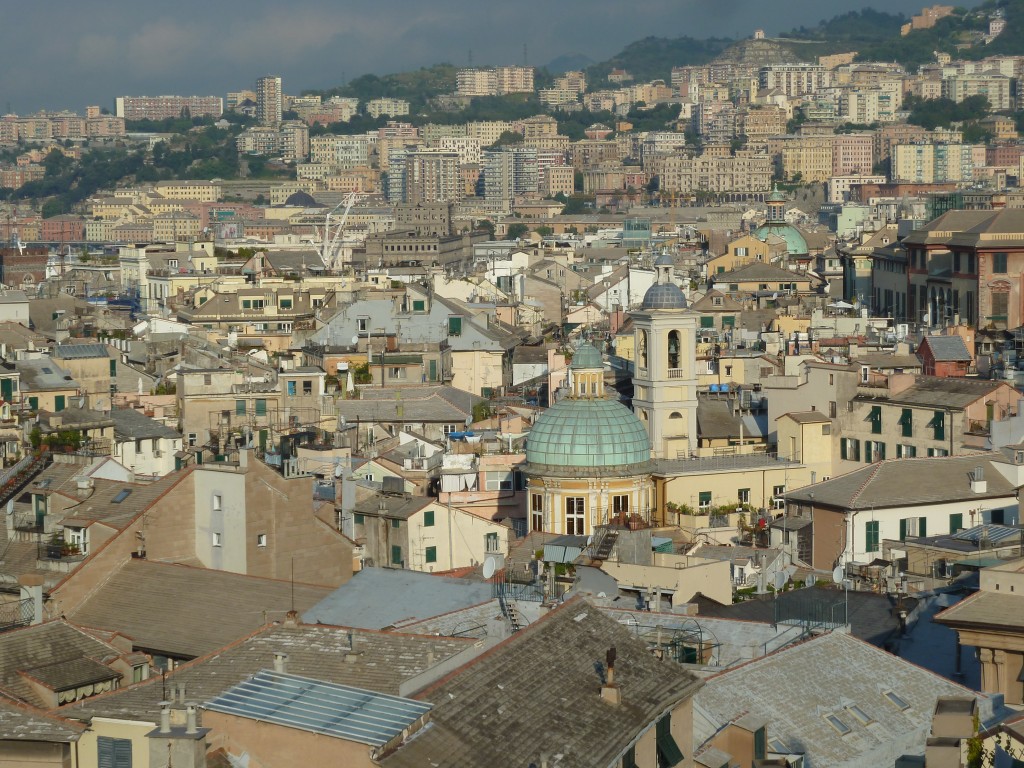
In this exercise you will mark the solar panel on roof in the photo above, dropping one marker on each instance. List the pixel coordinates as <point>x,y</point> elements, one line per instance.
<point>990,532</point>
<point>331,709</point>
<point>121,496</point>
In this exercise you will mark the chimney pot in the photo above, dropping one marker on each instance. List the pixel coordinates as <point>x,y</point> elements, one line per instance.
<point>190,721</point>
<point>291,619</point>
<point>280,662</point>
<point>165,717</point>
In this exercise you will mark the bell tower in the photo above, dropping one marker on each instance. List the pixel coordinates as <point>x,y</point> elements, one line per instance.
<point>665,376</point>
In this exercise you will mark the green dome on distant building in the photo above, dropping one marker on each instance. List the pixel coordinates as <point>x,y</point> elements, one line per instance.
<point>588,433</point>
<point>795,243</point>
<point>776,225</point>
<point>586,356</point>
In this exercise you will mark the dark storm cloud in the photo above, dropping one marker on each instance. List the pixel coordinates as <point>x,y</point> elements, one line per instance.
<point>63,54</point>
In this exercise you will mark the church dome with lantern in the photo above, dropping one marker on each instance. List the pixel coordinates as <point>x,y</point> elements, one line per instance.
<point>776,224</point>
<point>588,457</point>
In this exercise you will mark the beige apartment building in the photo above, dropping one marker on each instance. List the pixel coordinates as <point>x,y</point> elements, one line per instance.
<point>933,163</point>
<point>745,172</point>
<point>808,158</point>
<point>202,191</point>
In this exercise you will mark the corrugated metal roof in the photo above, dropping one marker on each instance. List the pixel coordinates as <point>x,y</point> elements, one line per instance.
<point>330,709</point>
<point>993,533</point>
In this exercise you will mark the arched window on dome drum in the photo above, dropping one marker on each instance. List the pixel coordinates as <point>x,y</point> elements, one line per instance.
<point>642,349</point>
<point>673,349</point>
<point>675,415</point>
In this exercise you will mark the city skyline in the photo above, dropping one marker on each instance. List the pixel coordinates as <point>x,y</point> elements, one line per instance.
<point>124,50</point>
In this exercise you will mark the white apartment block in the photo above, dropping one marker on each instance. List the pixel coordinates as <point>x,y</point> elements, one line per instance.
<point>467,149</point>
<point>795,79</point>
<point>487,131</point>
<point>494,81</point>
<point>995,87</point>
<point>933,163</point>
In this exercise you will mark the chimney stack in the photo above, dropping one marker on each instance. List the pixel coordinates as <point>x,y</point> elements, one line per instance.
<point>291,619</point>
<point>978,482</point>
<point>610,690</point>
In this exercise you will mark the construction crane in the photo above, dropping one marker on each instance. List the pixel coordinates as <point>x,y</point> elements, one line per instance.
<point>329,250</point>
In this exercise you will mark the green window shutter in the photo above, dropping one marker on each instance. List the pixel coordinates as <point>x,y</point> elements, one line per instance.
<point>922,527</point>
<point>428,518</point>
<point>907,422</point>
<point>842,449</point>
<point>33,403</point>
<point>704,498</point>
<point>669,753</point>
<point>876,419</point>
<point>396,554</point>
<point>871,536</point>
<point>432,370</point>
<point>881,452</point>
<point>454,325</point>
<point>760,744</point>
<point>707,322</point>
<point>286,303</point>
<point>431,554</point>
<point>903,529</point>
<point>899,450</point>
<point>720,271</point>
<point>246,304</point>
<point>728,321</point>
<point>239,407</point>
<point>867,451</point>
<point>113,367</point>
<point>939,425</point>
<point>58,403</point>
<point>396,523</point>
<point>956,522</point>
<point>419,305</point>
<point>261,407</point>
<point>629,759</point>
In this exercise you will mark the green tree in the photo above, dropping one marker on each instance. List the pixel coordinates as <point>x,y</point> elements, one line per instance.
<point>544,230</point>
<point>517,231</point>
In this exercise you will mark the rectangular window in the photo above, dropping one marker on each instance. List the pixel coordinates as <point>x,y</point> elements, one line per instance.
<point>431,554</point>
<point>1000,306</point>
<point>216,503</point>
<point>744,495</point>
<point>428,518</point>
<point>215,539</point>
<point>904,451</point>
<point>286,304</point>
<point>291,389</point>
<point>419,305</point>
<point>307,387</point>
<point>261,407</point>
<point>575,515</point>
<point>454,325</point>
<point>358,519</point>
<point>246,304</point>
<point>956,522</point>
<point>396,523</point>
<point>362,323</point>
<point>707,322</point>
<point>907,423</point>
<point>704,500</point>
<point>999,263</point>
<point>396,554</point>
<point>868,451</point>
<point>239,407</point>
<point>669,753</point>
<point>261,539</point>
<point>876,419</point>
<point>113,367</point>
<point>871,536</point>
<point>113,753</point>
<point>938,425</point>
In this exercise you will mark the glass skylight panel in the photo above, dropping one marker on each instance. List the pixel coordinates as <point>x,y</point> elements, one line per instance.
<point>896,701</point>
<point>838,724</point>
<point>860,714</point>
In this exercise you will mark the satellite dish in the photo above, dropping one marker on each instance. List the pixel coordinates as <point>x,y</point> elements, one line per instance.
<point>780,579</point>
<point>490,566</point>
<point>837,575</point>
<point>355,339</point>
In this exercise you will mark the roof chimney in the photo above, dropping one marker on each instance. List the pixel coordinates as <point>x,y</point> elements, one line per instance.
<point>280,662</point>
<point>291,619</point>
<point>978,482</point>
<point>610,690</point>
<point>165,717</point>
<point>190,719</point>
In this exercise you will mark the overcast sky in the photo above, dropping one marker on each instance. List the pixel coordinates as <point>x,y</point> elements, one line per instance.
<point>67,54</point>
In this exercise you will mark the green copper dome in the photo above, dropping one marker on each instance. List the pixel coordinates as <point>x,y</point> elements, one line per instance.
<point>588,433</point>
<point>795,243</point>
<point>586,356</point>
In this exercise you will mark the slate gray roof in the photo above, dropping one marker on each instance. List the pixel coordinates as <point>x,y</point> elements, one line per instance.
<point>186,612</point>
<point>19,722</point>
<point>43,373</point>
<point>796,688</point>
<point>989,609</point>
<point>948,348</point>
<point>376,598</point>
<point>383,662</point>
<point>872,617</point>
<point>538,693</point>
<point>41,646</point>
<point>430,404</point>
<point>758,270</point>
<point>130,424</point>
<point>906,482</point>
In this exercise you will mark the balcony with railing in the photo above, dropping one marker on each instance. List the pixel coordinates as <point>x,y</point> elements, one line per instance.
<point>677,373</point>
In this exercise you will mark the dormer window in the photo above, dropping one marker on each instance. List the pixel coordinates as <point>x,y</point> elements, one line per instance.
<point>717,301</point>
